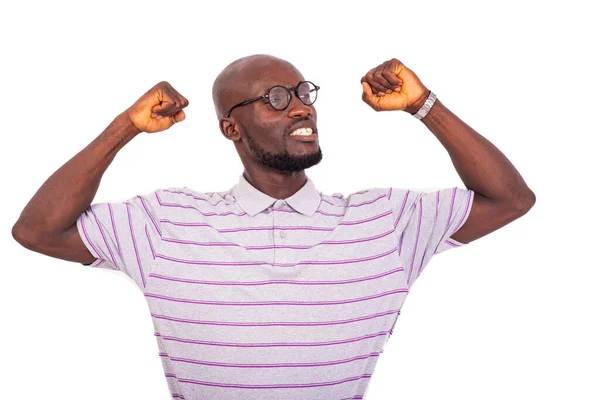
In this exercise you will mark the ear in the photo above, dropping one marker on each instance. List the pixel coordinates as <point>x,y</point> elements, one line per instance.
<point>229,128</point>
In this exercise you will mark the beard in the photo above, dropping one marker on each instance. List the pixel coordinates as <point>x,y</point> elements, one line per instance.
<point>284,161</point>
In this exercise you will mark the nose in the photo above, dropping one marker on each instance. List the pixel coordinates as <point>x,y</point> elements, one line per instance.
<point>298,109</point>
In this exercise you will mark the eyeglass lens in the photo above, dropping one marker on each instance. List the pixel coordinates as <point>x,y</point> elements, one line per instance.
<point>280,96</point>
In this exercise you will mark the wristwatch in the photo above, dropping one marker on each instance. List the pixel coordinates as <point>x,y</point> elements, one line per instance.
<point>426,106</point>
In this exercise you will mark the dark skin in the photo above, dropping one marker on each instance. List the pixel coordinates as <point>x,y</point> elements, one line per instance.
<point>261,137</point>
<point>501,195</point>
<point>261,124</point>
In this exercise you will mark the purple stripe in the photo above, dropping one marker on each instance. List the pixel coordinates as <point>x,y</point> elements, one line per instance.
<point>276,303</point>
<point>451,209</point>
<point>112,256</point>
<point>223,263</point>
<point>283,365</point>
<point>332,242</point>
<point>270,228</point>
<point>281,386</point>
<point>150,242</point>
<point>416,240</point>
<point>351,261</point>
<point>324,200</point>
<point>209,244</point>
<point>367,202</point>
<point>292,344</point>
<point>251,263</point>
<point>150,215</point>
<point>248,324</point>
<point>100,263</point>
<point>209,214</point>
<point>170,375</point>
<point>292,211</point>
<point>402,209</point>
<point>97,255</point>
<point>194,197</point>
<point>257,228</point>
<point>271,247</point>
<point>389,194</point>
<point>319,212</point>
<point>137,255</point>
<point>178,396</point>
<point>358,204</point>
<point>451,243</point>
<point>112,220</point>
<point>366,220</point>
<point>280,282</point>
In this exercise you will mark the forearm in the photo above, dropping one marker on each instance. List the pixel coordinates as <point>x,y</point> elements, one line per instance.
<point>70,190</point>
<point>481,166</point>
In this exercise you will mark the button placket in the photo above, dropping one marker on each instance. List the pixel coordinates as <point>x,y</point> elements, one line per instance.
<point>280,204</point>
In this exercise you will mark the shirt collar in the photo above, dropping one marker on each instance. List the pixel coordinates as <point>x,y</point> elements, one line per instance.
<point>253,201</point>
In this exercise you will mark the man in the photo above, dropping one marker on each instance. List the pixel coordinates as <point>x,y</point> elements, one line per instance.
<point>273,290</point>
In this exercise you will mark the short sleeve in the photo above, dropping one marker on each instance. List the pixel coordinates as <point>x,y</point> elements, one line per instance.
<point>123,236</point>
<point>424,222</point>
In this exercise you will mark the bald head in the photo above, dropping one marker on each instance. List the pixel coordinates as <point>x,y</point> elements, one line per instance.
<point>239,79</point>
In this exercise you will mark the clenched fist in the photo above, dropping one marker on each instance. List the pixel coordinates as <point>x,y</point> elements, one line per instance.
<point>393,86</point>
<point>159,109</point>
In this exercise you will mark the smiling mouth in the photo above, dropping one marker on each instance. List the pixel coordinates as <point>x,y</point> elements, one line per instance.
<point>302,132</point>
<point>307,135</point>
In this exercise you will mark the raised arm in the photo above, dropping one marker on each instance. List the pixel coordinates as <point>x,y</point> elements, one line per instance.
<point>501,194</point>
<point>47,224</point>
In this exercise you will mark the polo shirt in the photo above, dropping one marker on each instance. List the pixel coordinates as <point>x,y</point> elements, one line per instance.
<point>253,297</point>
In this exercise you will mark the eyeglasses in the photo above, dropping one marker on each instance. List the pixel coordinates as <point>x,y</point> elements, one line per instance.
<point>280,97</point>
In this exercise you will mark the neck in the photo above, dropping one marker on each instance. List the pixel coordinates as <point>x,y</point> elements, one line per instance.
<point>276,184</point>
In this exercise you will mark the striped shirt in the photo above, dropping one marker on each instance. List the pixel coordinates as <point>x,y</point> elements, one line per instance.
<point>254,297</point>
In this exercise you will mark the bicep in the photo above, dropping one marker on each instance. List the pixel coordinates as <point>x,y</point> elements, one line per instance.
<point>485,217</point>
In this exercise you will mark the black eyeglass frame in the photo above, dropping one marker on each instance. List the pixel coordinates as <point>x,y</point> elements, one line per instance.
<point>289,97</point>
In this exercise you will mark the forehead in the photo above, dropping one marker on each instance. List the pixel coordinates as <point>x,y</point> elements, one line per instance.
<point>261,77</point>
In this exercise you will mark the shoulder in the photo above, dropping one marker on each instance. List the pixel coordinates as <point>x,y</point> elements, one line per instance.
<point>361,197</point>
<point>185,193</point>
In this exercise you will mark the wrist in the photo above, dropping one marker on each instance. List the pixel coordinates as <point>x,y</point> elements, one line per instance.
<point>416,106</point>
<point>127,125</point>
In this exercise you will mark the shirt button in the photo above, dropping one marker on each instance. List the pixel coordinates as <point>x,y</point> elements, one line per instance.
<point>282,234</point>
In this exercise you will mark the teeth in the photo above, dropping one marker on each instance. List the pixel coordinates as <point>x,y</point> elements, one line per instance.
<point>302,132</point>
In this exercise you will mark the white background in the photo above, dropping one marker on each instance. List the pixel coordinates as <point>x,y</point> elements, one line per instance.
<point>509,316</point>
